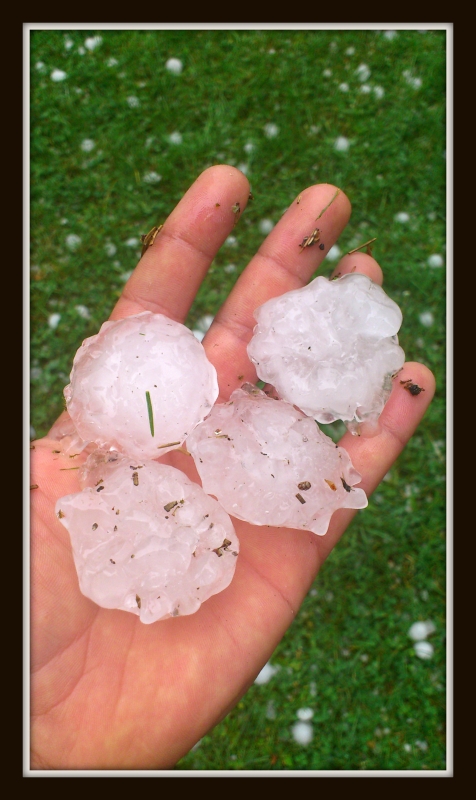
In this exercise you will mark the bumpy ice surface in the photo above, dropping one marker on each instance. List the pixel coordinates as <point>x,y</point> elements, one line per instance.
<point>145,539</point>
<point>330,348</point>
<point>269,464</point>
<point>113,372</point>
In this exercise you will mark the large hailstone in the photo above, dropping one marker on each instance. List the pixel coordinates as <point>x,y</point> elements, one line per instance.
<point>269,464</point>
<point>140,385</point>
<point>145,539</point>
<point>330,348</point>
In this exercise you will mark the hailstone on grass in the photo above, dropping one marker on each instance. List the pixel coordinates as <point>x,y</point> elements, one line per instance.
<point>140,385</point>
<point>145,539</point>
<point>269,464</point>
<point>330,348</point>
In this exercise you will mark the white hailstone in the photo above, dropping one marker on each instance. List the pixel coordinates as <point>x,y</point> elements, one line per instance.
<point>140,385</point>
<point>83,311</point>
<point>344,87</point>
<point>363,72</point>
<point>365,88</point>
<point>334,253</point>
<point>145,539</point>
<point>266,226</point>
<point>269,464</point>
<point>53,321</point>
<point>350,51</point>
<point>302,732</point>
<point>112,62</point>
<point>229,268</point>
<point>266,674</point>
<point>175,138</point>
<point>132,242</point>
<point>40,66</point>
<point>305,714</point>
<point>87,145</point>
<point>411,80</point>
<point>68,43</point>
<point>341,144</point>
<point>152,177</point>
<point>435,260</point>
<point>231,241</point>
<point>174,65</point>
<point>420,630</point>
<point>402,217</point>
<point>427,319</point>
<point>423,649</point>
<point>204,322</point>
<point>198,334</point>
<point>92,42</point>
<point>133,102</point>
<point>271,130</point>
<point>379,92</point>
<point>327,73</point>
<point>270,710</point>
<point>73,241</point>
<point>110,249</point>
<point>32,432</point>
<point>330,348</point>
<point>390,35</point>
<point>421,744</point>
<point>58,75</point>
<point>249,147</point>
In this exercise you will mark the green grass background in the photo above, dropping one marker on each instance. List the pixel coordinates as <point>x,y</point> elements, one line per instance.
<point>348,657</point>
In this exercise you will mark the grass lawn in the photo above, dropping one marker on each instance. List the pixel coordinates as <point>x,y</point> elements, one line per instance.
<point>116,139</point>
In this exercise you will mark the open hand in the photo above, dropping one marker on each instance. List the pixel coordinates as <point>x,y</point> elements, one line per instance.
<point>107,691</point>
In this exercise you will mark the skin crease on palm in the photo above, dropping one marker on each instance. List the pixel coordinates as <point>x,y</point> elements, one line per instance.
<point>107,691</point>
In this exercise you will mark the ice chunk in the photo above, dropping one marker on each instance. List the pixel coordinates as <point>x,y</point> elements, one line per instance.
<point>420,630</point>
<point>330,348</point>
<point>140,385</point>
<point>269,464</point>
<point>146,539</point>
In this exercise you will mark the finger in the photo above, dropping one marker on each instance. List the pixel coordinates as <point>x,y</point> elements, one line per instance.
<point>280,265</point>
<point>171,270</point>
<point>373,457</point>
<point>359,262</point>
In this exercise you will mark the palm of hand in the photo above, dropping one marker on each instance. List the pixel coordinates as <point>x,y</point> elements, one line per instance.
<point>107,691</point>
